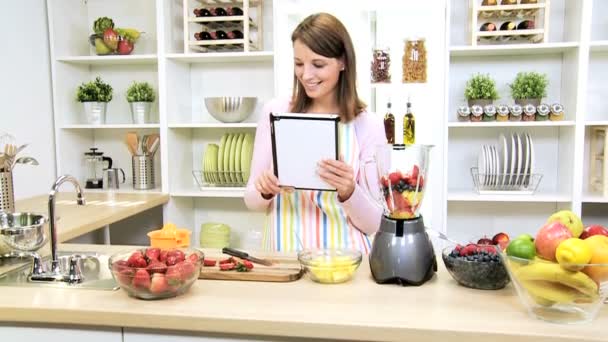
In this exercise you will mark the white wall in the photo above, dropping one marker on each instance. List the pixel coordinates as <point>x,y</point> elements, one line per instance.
<point>25,92</point>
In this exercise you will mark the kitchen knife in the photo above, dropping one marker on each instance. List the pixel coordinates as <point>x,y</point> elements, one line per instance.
<point>243,255</point>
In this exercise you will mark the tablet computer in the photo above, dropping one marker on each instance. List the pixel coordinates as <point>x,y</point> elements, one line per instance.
<point>299,142</point>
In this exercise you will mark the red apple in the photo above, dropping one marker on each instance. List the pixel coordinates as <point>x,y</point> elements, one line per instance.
<point>125,47</point>
<point>484,241</point>
<point>501,239</point>
<point>594,229</point>
<point>110,38</point>
<point>549,237</point>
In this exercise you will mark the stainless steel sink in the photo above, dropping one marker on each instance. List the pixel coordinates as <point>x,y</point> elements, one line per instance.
<point>93,267</point>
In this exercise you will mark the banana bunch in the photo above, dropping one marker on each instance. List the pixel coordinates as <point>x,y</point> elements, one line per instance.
<point>129,33</point>
<point>549,283</point>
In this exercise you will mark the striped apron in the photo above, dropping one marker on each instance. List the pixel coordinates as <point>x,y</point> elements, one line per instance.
<point>314,219</point>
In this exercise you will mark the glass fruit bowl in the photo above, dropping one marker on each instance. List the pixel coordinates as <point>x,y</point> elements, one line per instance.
<point>558,293</point>
<point>476,266</point>
<point>154,273</point>
<point>330,266</point>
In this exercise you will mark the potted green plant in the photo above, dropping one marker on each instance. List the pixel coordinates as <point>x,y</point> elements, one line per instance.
<point>480,90</point>
<point>95,95</point>
<point>529,88</point>
<point>140,95</point>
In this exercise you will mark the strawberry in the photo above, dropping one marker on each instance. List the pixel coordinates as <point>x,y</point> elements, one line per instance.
<point>227,266</point>
<point>415,172</point>
<point>153,253</point>
<point>228,261</point>
<point>401,202</point>
<point>156,267</point>
<point>240,267</point>
<point>394,178</point>
<point>159,283</point>
<point>248,264</point>
<point>384,181</point>
<point>186,270</point>
<point>124,277</point>
<point>163,255</point>
<point>209,262</point>
<point>193,258</point>
<point>173,276</point>
<point>468,249</point>
<point>421,182</point>
<point>137,261</point>
<point>141,280</point>
<point>179,255</point>
<point>120,265</point>
<point>171,260</point>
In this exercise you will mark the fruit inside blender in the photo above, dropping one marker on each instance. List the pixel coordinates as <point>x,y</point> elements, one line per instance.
<point>403,191</point>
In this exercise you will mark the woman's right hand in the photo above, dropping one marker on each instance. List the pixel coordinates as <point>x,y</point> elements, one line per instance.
<point>267,184</point>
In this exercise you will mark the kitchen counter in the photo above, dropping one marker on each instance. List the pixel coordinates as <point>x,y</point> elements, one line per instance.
<point>103,208</point>
<point>357,310</point>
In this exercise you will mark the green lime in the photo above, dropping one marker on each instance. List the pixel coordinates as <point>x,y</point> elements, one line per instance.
<point>522,248</point>
<point>525,237</point>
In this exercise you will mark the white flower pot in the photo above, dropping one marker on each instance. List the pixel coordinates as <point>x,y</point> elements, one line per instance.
<point>95,112</point>
<point>141,112</point>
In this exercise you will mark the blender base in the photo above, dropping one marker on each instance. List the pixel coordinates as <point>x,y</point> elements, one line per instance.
<point>402,253</point>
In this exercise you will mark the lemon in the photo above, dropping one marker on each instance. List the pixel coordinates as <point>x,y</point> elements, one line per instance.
<point>572,253</point>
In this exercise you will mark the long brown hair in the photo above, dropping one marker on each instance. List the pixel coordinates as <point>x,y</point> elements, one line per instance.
<point>325,35</point>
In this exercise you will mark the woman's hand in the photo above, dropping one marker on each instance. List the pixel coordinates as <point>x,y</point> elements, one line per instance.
<point>339,175</point>
<point>267,184</point>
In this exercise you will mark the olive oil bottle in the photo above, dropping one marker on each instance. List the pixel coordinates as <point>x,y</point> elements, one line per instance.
<point>389,125</point>
<point>409,125</point>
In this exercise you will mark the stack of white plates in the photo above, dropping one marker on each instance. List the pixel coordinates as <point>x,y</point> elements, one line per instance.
<point>229,162</point>
<point>508,166</point>
<point>214,235</point>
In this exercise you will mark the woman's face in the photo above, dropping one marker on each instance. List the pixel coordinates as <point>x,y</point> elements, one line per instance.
<point>318,74</point>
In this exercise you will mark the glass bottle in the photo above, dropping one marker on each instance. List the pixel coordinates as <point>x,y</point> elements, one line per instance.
<point>414,61</point>
<point>381,62</point>
<point>502,113</point>
<point>389,125</point>
<point>489,113</point>
<point>542,112</point>
<point>529,112</point>
<point>516,112</point>
<point>476,113</point>
<point>464,113</point>
<point>409,126</point>
<point>557,112</point>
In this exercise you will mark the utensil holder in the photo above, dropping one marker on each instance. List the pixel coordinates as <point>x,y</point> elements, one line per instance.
<point>7,194</point>
<point>143,172</point>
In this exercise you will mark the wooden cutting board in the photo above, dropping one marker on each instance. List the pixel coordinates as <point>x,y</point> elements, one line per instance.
<point>284,270</point>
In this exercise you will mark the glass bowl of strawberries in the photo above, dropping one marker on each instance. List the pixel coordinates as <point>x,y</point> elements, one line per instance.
<point>154,273</point>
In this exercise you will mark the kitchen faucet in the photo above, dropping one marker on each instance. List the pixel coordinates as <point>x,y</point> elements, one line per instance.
<point>55,274</point>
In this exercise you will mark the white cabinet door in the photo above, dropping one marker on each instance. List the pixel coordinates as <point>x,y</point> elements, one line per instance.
<point>138,335</point>
<point>27,333</point>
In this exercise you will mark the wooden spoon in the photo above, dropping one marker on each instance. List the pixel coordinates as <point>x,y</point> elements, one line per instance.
<point>132,142</point>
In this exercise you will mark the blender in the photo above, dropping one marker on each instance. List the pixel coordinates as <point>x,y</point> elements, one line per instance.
<point>402,251</point>
<point>94,161</point>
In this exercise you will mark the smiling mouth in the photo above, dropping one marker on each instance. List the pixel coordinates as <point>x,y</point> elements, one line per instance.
<point>312,85</point>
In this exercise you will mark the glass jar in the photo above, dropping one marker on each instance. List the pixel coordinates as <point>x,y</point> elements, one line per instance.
<point>414,61</point>
<point>381,62</point>
<point>516,112</point>
<point>529,112</point>
<point>557,112</point>
<point>542,112</point>
<point>476,113</point>
<point>489,113</point>
<point>464,113</point>
<point>502,113</point>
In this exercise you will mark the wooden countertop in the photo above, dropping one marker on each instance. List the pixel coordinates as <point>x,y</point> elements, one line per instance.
<point>102,208</point>
<point>357,310</point>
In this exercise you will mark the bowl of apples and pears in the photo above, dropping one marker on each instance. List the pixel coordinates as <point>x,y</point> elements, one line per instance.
<point>154,273</point>
<point>561,274</point>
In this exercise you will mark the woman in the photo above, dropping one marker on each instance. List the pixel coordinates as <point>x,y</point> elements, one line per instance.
<point>324,82</point>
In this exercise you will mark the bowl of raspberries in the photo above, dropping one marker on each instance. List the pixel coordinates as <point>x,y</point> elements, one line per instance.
<point>154,273</point>
<point>478,265</point>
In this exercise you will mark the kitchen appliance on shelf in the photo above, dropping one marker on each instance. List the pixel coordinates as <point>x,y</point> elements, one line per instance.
<point>94,161</point>
<point>402,251</point>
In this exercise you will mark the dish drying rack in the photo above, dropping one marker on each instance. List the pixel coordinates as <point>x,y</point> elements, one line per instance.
<point>250,24</point>
<point>207,179</point>
<point>505,183</point>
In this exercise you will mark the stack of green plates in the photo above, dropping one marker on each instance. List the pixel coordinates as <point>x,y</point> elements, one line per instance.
<point>230,162</point>
<point>214,235</point>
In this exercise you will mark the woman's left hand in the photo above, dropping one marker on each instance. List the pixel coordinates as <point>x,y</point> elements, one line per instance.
<point>339,175</point>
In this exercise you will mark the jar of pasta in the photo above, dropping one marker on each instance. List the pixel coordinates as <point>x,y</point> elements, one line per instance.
<point>502,113</point>
<point>414,61</point>
<point>489,113</point>
<point>557,112</point>
<point>529,112</point>
<point>542,112</point>
<point>476,113</point>
<point>381,62</point>
<point>515,112</point>
<point>464,113</point>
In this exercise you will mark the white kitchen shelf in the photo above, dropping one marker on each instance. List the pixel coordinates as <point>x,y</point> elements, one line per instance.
<point>512,49</point>
<point>597,123</point>
<point>594,198</point>
<point>215,125</point>
<point>111,126</point>
<point>599,45</point>
<point>511,124</point>
<point>473,196</point>
<point>224,192</point>
<point>110,60</point>
<point>222,57</point>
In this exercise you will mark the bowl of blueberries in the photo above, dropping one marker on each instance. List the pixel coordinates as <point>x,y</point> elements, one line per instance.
<point>478,265</point>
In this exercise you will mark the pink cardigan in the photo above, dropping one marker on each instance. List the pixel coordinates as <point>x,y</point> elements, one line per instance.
<point>361,211</point>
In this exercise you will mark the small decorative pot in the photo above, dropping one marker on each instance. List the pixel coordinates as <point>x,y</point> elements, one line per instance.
<point>480,102</point>
<point>524,102</point>
<point>140,112</point>
<point>95,112</point>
